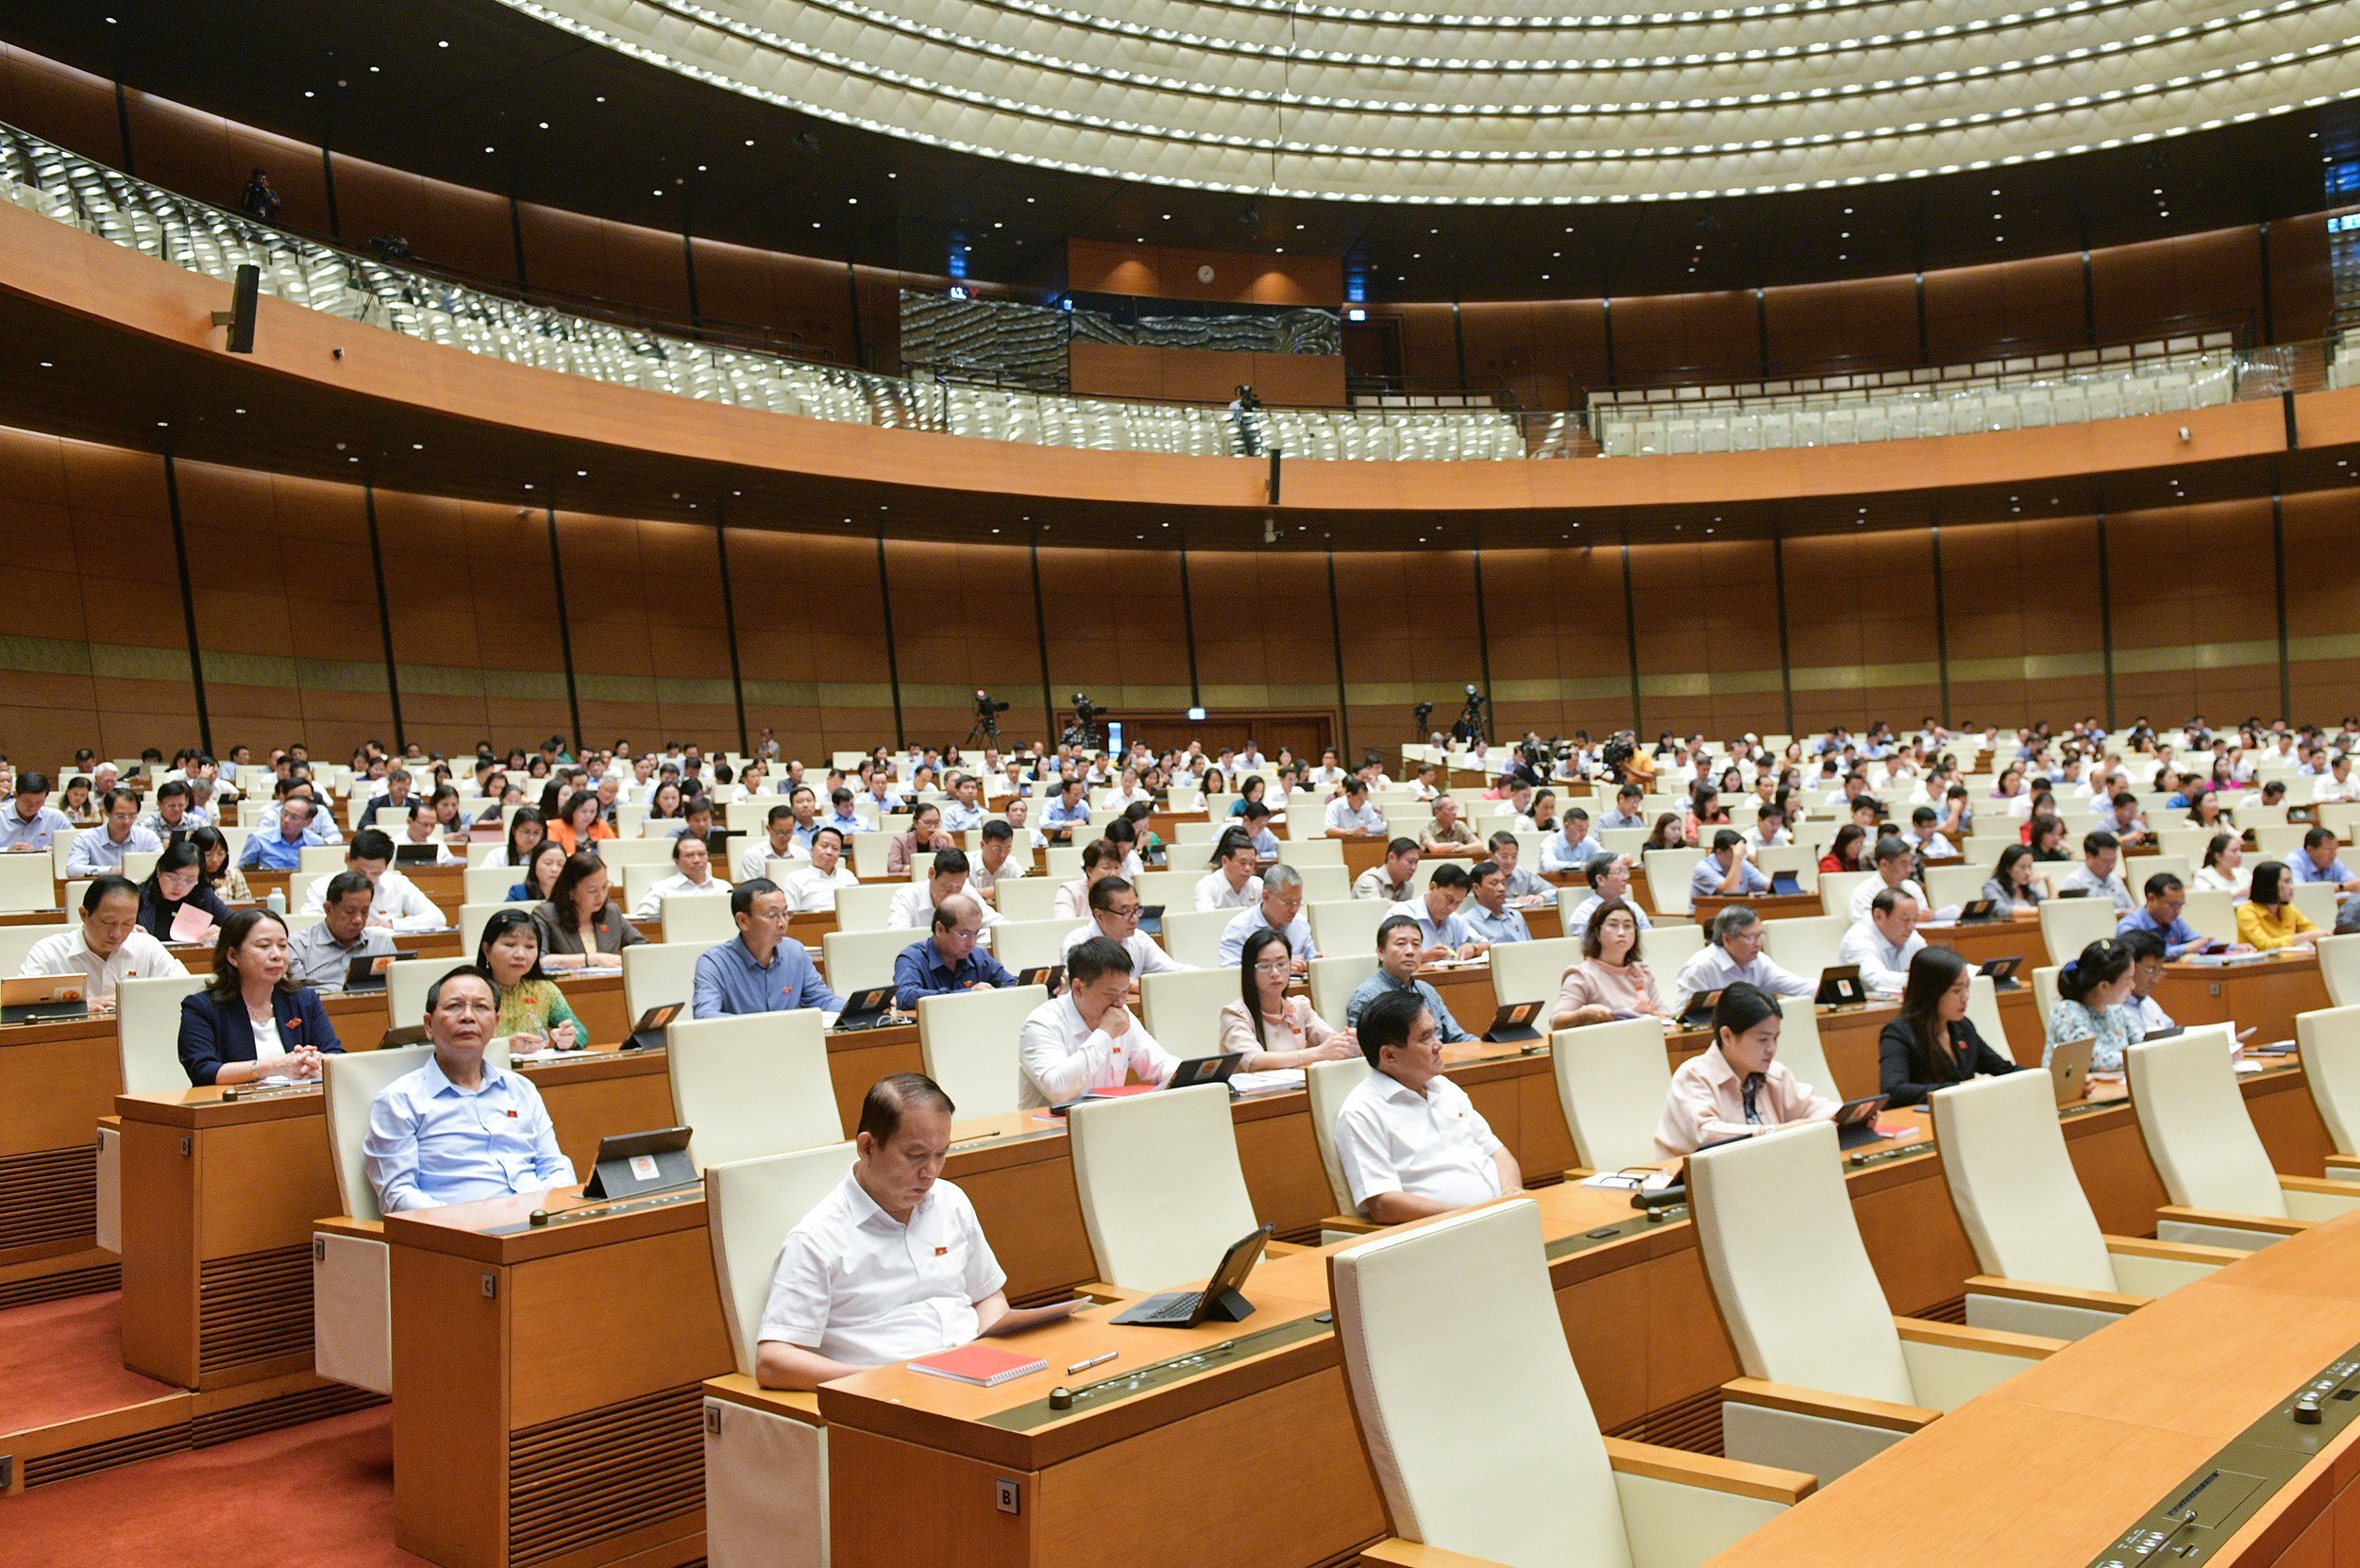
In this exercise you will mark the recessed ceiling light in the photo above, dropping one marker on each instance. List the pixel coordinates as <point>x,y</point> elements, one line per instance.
<point>442,44</point>
<point>582,472</point>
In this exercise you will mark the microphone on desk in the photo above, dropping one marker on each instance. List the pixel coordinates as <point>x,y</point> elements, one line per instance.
<point>1663,1197</point>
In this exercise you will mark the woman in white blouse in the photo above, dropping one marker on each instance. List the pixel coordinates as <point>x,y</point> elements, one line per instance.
<point>2224,869</point>
<point>1271,1029</point>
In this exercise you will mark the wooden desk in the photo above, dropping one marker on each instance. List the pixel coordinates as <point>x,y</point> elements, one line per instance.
<point>219,1199</point>
<point>1770,906</point>
<point>1982,942</point>
<point>2265,996</point>
<point>2050,1469</point>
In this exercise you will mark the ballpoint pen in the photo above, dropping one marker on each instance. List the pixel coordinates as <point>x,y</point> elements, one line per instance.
<point>1093,1362</point>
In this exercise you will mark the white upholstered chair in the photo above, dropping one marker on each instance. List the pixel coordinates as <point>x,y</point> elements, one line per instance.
<point>147,1043</point>
<point>1162,1188</point>
<point>1531,972</point>
<point>752,1085</point>
<point>352,1338</point>
<point>2047,1268</point>
<point>1831,1375</point>
<point>1613,1080</point>
<point>2329,1041</point>
<point>766,1451</point>
<point>2214,1170</point>
<point>969,1042</point>
<point>2340,968</point>
<point>1484,1443</point>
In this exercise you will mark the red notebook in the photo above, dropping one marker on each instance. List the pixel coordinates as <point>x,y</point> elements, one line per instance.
<point>981,1365</point>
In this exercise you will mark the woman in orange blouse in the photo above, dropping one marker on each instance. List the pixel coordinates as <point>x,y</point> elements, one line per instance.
<point>579,824</point>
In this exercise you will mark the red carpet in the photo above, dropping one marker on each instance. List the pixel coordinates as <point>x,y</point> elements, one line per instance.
<point>60,1359</point>
<point>319,1495</point>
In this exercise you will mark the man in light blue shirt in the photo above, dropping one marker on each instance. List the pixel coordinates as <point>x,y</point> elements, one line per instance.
<point>1067,812</point>
<point>457,1129</point>
<point>1255,820</point>
<point>845,819</point>
<point>1610,881</point>
<point>963,811</point>
<point>28,821</point>
<point>1489,917</point>
<point>100,851</point>
<point>1398,941</point>
<point>282,850</point>
<point>1626,812</point>
<point>2317,861</point>
<point>1571,848</point>
<point>2165,897</point>
<point>1350,812</point>
<point>1729,871</point>
<point>1437,913</point>
<point>1280,909</point>
<point>763,969</point>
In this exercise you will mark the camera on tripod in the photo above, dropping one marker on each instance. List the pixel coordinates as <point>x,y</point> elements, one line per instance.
<point>987,715</point>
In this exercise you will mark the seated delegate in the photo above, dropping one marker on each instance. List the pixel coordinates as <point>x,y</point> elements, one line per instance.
<point>457,1129</point>
<point>106,949</point>
<point>174,885</point>
<point>254,1019</point>
<point>1409,1141</point>
<point>2270,919</point>
<point>533,1012</point>
<point>1610,982</point>
<point>761,969</point>
<point>322,953</point>
<point>1737,1088</point>
<point>1271,1029</point>
<point>2093,1004</point>
<point>1087,1038</point>
<point>1400,940</point>
<point>947,960</point>
<point>892,1263</point>
<point>579,926</point>
<point>1933,1043</point>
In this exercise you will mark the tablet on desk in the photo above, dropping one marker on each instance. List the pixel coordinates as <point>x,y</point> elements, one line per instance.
<point>1206,1070</point>
<point>367,973</point>
<point>1856,1122</point>
<point>1050,975</point>
<point>1513,1025</point>
<point>1698,1013</point>
<point>649,1032</point>
<point>1983,912</point>
<point>1785,885</point>
<point>417,855</point>
<point>868,1009</point>
<point>2002,971</point>
<point>42,998</point>
<point>2069,1069</point>
<point>1840,987</point>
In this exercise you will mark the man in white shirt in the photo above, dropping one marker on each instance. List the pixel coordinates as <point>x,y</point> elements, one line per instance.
<point>1926,837</point>
<point>2338,784</point>
<point>1734,954</point>
<point>890,1265</point>
<point>2099,875</point>
<point>100,850</point>
<point>1280,910</point>
<point>1231,884</point>
<point>1409,1141</point>
<point>914,905</point>
<point>1350,813</point>
<point>29,823</point>
<point>692,872</point>
<point>1115,915</point>
<point>395,902</point>
<point>778,842</point>
<point>1884,944</point>
<point>1769,830</point>
<point>998,861</point>
<point>106,949</point>
<point>1392,881</point>
<point>1892,870</point>
<point>423,828</point>
<point>1087,1038</point>
<point>1571,848</point>
<point>811,890</point>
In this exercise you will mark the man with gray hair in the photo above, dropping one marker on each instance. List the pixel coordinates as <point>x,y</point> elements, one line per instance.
<point>1734,954</point>
<point>1280,910</point>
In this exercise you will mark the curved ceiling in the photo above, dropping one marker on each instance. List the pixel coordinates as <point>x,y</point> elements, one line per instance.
<point>1503,106</point>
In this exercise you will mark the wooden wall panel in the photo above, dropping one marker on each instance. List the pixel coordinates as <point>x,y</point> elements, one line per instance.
<point>1559,641</point>
<point>1166,272</point>
<point>625,625</point>
<point>1861,641</point>
<point>804,299</point>
<point>1409,635</point>
<point>963,618</point>
<point>1866,323</point>
<point>2020,607</point>
<point>599,258</point>
<point>1115,628</point>
<point>2302,292</point>
<point>286,611</point>
<point>1707,622</point>
<point>1656,337</point>
<point>1264,638</point>
<point>2322,586</point>
<point>210,158</point>
<point>73,109</point>
<point>1971,312</point>
<point>2195,611</point>
<point>2154,290</point>
<point>448,224</point>
<point>472,594</point>
<point>810,640</point>
<point>1543,349</point>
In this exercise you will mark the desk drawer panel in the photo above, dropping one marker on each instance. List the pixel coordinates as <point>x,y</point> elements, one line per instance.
<point>253,1306</point>
<point>49,1195</point>
<point>604,1473</point>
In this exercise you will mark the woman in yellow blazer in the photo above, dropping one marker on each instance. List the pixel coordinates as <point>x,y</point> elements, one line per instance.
<point>2271,921</point>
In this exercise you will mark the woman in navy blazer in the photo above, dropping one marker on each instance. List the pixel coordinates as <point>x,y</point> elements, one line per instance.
<point>251,995</point>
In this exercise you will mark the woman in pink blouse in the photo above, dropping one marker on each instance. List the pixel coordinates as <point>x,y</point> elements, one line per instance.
<point>1271,1029</point>
<point>1737,1087</point>
<point>1609,980</point>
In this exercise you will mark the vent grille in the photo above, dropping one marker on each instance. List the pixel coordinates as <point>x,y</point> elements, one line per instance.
<point>216,1427</point>
<point>254,1306</point>
<point>587,1477</point>
<point>75,1282</point>
<point>1953,1311</point>
<point>68,1463</point>
<point>1694,1425</point>
<point>49,1195</point>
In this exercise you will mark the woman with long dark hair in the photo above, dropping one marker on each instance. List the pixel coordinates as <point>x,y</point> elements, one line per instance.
<point>1933,1043</point>
<point>1271,1029</point>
